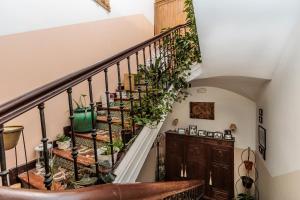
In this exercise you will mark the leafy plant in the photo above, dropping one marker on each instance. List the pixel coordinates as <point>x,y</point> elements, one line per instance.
<point>167,75</point>
<point>117,146</point>
<point>81,104</point>
<point>245,196</point>
<point>62,138</point>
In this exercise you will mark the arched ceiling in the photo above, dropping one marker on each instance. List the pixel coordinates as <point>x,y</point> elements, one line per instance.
<point>243,38</point>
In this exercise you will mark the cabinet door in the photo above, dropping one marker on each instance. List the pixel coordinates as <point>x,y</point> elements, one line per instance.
<point>221,176</point>
<point>174,156</point>
<point>195,154</point>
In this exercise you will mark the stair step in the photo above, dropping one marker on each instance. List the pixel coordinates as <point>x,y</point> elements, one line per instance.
<point>37,181</point>
<point>115,120</point>
<point>86,161</point>
<point>115,108</point>
<point>102,136</point>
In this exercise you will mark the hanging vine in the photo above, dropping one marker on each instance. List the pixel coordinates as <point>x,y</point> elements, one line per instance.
<point>167,75</point>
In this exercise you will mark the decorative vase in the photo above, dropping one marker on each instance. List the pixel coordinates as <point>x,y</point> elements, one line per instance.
<point>11,135</point>
<point>63,145</point>
<point>247,181</point>
<point>248,165</point>
<point>83,120</point>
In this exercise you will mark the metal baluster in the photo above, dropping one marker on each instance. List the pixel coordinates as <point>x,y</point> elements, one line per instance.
<point>48,177</point>
<point>109,119</point>
<point>26,160</point>
<point>145,64</point>
<point>150,54</point>
<point>121,104</point>
<point>139,81</point>
<point>4,172</point>
<point>131,97</point>
<point>155,53</point>
<point>73,138</point>
<point>94,131</point>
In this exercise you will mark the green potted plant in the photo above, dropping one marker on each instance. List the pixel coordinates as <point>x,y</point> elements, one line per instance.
<point>104,153</point>
<point>63,142</point>
<point>83,116</point>
<point>245,196</point>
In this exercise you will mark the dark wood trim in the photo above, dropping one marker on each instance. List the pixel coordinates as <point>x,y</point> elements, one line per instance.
<point>24,103</point>
<point>145,191</point>
<point>14,172</point>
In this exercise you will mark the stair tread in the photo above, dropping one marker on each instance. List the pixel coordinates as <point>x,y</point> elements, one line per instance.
<point>102,136</point>
<point>125,99</point>
<point>115,108</point>
<point>82,160</point>
<point>115,120</point>
<point>37,181</point>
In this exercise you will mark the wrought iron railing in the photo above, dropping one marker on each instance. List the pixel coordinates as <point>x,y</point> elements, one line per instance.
<point>38,98</point>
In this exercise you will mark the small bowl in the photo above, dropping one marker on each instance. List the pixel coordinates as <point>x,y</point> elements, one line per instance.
<point>11,135</point>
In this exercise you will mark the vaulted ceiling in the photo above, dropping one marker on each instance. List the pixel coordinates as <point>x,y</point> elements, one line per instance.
<point>243,38</point>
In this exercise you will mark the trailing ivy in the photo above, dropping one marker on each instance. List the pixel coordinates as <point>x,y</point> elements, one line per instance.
<point>167,75</point>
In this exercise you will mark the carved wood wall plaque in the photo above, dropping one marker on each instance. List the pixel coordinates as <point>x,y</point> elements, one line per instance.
<point>104,3</point>
<point>202,110</point>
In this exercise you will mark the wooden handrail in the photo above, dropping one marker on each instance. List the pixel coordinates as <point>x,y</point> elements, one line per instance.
<point>137,191</point>
<point>24,103</point>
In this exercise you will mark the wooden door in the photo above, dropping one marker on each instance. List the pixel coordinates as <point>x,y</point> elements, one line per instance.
<point>174,156</point>
<point>168,13</point>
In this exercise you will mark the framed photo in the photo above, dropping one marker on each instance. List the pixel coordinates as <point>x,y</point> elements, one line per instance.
<point>260,112</point>
<point>181,131</point>
<point>262,141</point>
<point>193,130</point>
<point>202,133</point>
<point>202,110</point>
<point>260,120</point>
<point>210,134</point>
<point>218,135</point>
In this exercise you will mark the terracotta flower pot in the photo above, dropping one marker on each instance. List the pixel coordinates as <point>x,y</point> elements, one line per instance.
<point>248,165</point>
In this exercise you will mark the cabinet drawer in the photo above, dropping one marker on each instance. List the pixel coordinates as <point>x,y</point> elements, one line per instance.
<point>220,155</point>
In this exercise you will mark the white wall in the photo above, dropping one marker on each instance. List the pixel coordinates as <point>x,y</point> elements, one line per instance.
<point>280,101</point>
<point>28,15</point>
<point>243,38</point>
<point>229,108</point>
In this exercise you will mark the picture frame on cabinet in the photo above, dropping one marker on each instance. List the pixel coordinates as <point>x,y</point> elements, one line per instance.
<point>193,130</point>
<point>181,131</point>
<point>202,133</point>
<point>218,135</point>
<point>210,134</point>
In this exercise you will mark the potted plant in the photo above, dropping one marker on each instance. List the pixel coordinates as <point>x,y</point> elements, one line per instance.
<point>247,181</point>
<point>248,164</point>
<point>245,196</point>
<point>63,142</point>
<point>104,153</point>
<point>83,116</point>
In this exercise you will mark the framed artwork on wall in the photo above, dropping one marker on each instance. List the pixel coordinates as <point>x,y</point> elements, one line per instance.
<point>262,141</point>
<point>202,110</point>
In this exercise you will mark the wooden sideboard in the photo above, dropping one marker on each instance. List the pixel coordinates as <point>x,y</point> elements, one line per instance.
<point>209,159</point>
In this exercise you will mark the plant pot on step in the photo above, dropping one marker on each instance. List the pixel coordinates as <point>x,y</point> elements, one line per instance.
<point>11,135</point>
<point>83,120</point>
<point>247,182</point>
<point>104,155</point>
<point>248,165</point>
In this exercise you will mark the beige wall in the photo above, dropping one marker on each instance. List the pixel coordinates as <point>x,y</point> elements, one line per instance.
<point>32,59</point>
<point>279,173</point>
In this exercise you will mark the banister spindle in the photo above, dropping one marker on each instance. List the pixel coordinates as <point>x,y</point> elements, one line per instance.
<point>73,138</point>
<point>94,131</point>
<point>150,54</point>
<point>121,104</point>
<point>48,176</point>
<point>131,97</point>
<point>4,172</point>
<point>138,80</point>
<point>145,64</point>
<point>109,119</point>
<point>155,50</point>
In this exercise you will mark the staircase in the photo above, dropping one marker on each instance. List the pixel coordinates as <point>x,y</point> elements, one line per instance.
<point>82,166</point>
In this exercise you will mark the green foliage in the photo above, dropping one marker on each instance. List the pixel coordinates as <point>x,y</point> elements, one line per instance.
<point>81,104</point>
<point>178,53</point>
<point>62,138</point>
<point>117,146</point>
<point>245,196</point>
